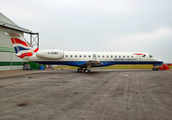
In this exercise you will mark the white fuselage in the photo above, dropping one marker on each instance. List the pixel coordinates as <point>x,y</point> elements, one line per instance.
<point>106,58</point>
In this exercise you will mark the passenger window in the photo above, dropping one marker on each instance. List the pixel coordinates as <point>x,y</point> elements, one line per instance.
<point>75,55</point>
<point>84,55</point>
<point>98,55</point>
<point>123,56</point>
<point>115,56</point>
<point>131,56</point>
<point>66,55</point>
<point>70,55</point>
<point>80,56</point>
<point>127,56</point>
<point>89,56</point>
<point>119,56</point>
<point>103,56</point>
<point>111,56</point>
<point>107,56</point>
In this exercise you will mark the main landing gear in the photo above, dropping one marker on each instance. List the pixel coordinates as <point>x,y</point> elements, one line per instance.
<point>83,70</point>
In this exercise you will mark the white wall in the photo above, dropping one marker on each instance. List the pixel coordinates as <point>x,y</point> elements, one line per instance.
<point>6,56</point>
<point>3,68</point>
<point>5,41</point>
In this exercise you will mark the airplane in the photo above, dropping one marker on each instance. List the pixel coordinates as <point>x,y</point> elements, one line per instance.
<point>84,60</point>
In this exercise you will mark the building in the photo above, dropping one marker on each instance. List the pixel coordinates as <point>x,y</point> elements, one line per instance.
<point>8,59</point>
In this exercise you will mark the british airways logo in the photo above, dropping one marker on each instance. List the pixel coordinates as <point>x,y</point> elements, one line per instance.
<point>122,59</point>
<point>19,48</point>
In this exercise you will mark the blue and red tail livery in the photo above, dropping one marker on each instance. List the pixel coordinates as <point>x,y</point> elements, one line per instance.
<point>21,46</point>
<point>18,41</point>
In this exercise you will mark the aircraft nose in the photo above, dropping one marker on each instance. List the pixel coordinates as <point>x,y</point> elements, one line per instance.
<point>160,61</point>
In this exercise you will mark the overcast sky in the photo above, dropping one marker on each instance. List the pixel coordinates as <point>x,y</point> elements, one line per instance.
<point>97,25</point>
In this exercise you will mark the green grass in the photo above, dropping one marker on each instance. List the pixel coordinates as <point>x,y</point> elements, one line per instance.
<point>115,67</point>
<point>131,67</point>
<point>65,67</point>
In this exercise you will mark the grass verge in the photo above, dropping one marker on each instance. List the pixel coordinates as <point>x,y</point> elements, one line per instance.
<point>65,67</point>
<point>115,67</point>
<point>131,67</point>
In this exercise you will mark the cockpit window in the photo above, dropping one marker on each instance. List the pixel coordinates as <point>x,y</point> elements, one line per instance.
<point>150,56</point>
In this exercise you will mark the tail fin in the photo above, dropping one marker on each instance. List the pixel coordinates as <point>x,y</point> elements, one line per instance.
<point>21,46</point>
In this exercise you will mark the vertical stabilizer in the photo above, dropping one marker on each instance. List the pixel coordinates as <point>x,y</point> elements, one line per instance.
<point>21,46</point>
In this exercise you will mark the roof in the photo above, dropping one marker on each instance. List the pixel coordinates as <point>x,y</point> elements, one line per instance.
<point>6,22</point>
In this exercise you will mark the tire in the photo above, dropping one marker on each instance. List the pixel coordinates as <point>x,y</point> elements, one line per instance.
<point>79,70</point>
<point>86,71</point>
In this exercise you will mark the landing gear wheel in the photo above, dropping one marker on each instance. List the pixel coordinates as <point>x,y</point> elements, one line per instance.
<point>154,69</point>
<point>86,71</point>
<point>79,70</point>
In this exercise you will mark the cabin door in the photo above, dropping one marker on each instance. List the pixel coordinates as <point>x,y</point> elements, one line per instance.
<point>94,57</point>
<point>139,57</point>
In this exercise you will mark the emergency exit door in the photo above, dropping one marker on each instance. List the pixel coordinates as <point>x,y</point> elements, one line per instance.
<point>94,57</point>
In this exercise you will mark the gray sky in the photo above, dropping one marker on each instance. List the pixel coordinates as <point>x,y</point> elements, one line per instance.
<point>97,25</point>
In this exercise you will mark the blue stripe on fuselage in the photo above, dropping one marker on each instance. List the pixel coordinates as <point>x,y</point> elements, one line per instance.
<point>105,63</point>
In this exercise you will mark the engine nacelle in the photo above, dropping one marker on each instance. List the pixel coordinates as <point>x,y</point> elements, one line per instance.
<point>50,54</point>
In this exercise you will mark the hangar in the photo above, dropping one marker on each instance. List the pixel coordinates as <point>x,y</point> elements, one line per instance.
<point>8,59</point>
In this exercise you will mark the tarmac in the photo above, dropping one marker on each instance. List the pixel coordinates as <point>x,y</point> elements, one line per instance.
<point>99,95</point>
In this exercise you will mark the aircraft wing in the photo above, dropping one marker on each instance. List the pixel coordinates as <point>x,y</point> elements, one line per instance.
<point>93,63</point>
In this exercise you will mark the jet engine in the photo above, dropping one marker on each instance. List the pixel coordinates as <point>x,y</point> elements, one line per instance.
<point>50,54</point>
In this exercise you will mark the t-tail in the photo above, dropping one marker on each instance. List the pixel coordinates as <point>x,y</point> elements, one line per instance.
<point>21,46</point>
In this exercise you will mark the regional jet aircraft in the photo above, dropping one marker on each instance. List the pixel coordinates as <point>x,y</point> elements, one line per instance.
<point>84,60</point>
